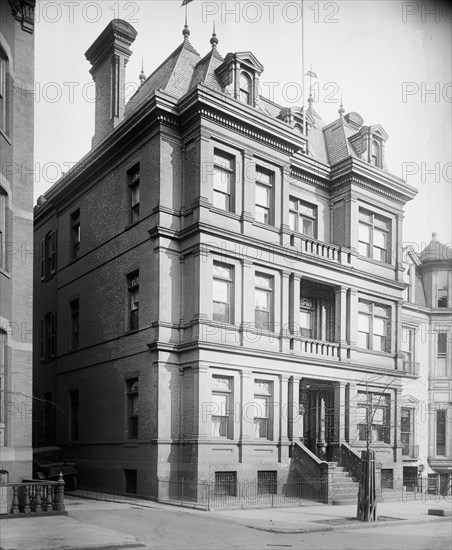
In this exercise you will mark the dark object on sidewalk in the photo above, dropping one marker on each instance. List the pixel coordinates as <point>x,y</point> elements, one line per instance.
<point>48,463</point>
<point>439,512</point>
<point>367,498</point>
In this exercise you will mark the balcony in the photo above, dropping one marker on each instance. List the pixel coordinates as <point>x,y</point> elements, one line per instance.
<point>329,350</point>
<point>410,451</point>
<point>321,250</point>
<point>410,367</point>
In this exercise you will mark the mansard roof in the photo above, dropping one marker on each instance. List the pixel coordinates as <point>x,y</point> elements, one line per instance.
<point>184,70</point>
<point>173,76</point>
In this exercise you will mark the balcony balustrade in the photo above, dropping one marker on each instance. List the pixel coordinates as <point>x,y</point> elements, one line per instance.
<point>321,250</point>
<point>330,350</point>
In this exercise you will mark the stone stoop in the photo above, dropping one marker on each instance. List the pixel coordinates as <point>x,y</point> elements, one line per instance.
<point>344,489</point>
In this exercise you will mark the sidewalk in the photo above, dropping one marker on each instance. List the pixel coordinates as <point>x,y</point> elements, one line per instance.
<point>323,517</point>
<point>57,532</point>
<point>68,533</point>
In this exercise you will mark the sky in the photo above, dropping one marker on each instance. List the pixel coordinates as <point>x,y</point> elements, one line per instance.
<point>390,61</point>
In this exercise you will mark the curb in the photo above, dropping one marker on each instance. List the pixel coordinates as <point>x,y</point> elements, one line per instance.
<point>361,525</point>
<point>111,546</point>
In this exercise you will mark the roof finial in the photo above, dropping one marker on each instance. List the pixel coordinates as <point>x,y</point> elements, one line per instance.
<point>214,40</point>
<point>341,110</point>
<point>434,236</point>
<point>186,31</point>
<point>142,75</point>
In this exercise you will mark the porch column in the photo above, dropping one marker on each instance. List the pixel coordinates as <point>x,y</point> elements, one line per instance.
<point>294,303</point>
<point>295,411</point>
<point>352,318</point>
<point>321,443</point>
<point>352,413</point>
<point>339,412</point>
<point>285,315</point>
<point>341,315</point>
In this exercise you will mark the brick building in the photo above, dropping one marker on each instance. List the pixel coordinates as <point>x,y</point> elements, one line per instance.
<point>16,234</point>
<point>427,400</point>
<point>220,284</point>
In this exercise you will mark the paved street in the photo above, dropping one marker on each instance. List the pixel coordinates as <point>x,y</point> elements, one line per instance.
<point>154,526</point>
<point>176,528</point>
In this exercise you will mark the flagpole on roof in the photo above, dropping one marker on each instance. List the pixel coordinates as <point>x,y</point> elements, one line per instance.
<point>302,67</point>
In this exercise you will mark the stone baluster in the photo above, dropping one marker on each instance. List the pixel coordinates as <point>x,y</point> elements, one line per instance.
<point>33,497</point>
<point>15,506</point>
<point>38,498</point>
<point>27,508</point>
<point>49,499</point>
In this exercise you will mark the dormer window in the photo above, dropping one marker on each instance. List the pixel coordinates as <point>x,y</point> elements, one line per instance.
<point>245,88</point>
<point>375,158</point>
<point>239,77</point>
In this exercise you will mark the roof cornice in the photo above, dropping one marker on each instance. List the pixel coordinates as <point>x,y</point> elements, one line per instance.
<point>204,102</point>
<point>359,172</point>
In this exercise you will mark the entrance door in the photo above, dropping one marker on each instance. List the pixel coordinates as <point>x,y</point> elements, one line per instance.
<point>318,400</point>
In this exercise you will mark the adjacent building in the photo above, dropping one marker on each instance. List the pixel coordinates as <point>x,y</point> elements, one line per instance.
<point>219,285</point>
<point>16,235</point>
<point>427,401</point>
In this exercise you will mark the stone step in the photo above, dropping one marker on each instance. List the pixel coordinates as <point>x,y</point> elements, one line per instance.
<point>344,483</point>
<point>345,501</point>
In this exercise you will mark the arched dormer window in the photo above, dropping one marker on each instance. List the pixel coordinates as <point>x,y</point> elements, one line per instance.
<point>376,154</point>
<point>245,89</point>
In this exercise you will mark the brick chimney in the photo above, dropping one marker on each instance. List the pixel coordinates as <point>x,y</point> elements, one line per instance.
<point>108,56</point>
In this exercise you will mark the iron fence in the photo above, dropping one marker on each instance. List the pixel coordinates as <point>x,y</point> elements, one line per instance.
<point>230,493</point>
